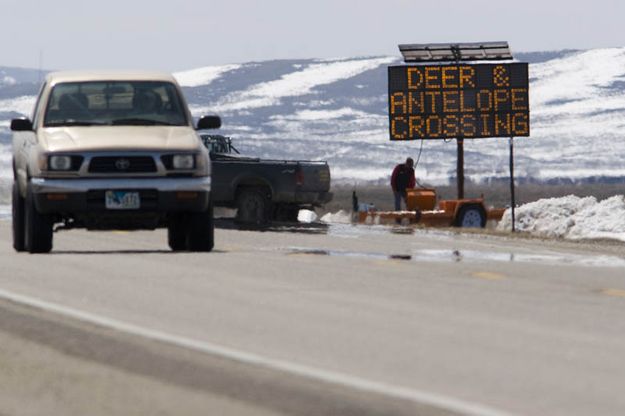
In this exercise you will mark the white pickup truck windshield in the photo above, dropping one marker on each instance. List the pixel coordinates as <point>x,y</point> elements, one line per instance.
<point>128,103</point>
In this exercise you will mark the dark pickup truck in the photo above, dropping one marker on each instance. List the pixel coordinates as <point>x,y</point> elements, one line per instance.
<point>264,190</point>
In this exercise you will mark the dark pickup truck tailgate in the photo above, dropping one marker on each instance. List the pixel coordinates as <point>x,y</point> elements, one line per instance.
<point>313,176</point>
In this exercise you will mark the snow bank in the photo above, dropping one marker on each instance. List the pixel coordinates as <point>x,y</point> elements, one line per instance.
<point>340,217</point>
<point>571,217</point>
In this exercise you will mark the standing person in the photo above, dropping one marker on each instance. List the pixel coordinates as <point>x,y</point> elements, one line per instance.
<point>402,178</point>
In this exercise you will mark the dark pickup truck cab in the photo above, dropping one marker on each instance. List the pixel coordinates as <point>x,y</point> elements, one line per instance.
<point>264,190</point>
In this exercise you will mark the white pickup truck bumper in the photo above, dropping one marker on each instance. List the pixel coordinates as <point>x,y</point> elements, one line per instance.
<point>164,195</point>
<point>164,184</point>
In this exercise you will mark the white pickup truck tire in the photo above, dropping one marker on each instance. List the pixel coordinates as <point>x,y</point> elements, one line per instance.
<point>192,231</point>
<point>17,222</point>
<point>201,231</point>
<point>37,227</point>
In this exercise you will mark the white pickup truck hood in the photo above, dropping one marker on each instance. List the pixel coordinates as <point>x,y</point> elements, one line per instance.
<point>113,138</point>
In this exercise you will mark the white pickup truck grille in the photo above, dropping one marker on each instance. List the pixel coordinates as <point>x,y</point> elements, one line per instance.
<point>122,164</point>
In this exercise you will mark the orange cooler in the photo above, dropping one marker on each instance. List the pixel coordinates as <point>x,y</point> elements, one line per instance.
<point>422,198</point>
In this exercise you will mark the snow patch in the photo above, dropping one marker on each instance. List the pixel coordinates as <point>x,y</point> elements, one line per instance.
<point>7,80</point>
<point>23,105</point>
<point>202,76</point>
<point>339,217</point>
<point>6,158</point>
<point>316,115</point>
<point>306,216</point>
<point>300,83</point>
<point>367,175</point>
<point>576,78</point>
<point>571,217</point>
<point>5,212</point>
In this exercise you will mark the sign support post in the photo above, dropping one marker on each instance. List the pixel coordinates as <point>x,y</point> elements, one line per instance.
<point>512,196</point>
<point>455,50</point>
<point>460,168</point>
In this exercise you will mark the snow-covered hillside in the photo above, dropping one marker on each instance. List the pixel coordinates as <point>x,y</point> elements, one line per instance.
<point>337,110</point>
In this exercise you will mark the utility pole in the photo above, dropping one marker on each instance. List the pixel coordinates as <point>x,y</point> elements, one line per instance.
<point>512,196</point>
<point>460,168</point>
<point>455,50</point>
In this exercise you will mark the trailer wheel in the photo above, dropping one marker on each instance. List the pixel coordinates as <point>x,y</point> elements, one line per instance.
<point>471,216</point>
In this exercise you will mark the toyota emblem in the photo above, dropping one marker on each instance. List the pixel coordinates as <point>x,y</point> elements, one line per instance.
<point>122,164</point>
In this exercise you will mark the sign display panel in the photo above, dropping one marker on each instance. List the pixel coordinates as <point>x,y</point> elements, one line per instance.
<point>462,101</point>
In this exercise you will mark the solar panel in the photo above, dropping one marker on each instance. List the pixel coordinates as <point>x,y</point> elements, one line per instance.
<point>437,52</point>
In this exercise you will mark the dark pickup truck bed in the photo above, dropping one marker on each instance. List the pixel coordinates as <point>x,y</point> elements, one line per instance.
<point>263,190</point>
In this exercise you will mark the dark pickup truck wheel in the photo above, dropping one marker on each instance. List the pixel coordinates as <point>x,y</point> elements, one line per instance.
<point>18,205</point>
<point>37,226</point>
<point>286,212</point>
<point>253,207</point>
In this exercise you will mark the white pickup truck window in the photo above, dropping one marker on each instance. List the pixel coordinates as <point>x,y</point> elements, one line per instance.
<point>114,103</point>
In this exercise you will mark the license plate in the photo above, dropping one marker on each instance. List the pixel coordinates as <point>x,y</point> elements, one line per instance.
<point>122,200</point>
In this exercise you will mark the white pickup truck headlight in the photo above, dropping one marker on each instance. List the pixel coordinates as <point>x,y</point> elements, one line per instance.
<point>183,162</point>
<point>60,163</point>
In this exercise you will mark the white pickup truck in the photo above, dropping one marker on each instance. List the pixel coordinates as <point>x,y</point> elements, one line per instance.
<point>111,150</point>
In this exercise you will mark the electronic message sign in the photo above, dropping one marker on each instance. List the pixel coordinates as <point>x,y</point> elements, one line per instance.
<point>461,101</point>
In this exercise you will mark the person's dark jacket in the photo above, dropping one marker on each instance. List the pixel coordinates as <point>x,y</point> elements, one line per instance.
<point>403,178</point>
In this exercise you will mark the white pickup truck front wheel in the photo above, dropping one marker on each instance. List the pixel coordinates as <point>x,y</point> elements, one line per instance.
<point>177,233</point>
<point>192,231</point>
<point>201,231</point>
<point>18,219</point>
<point>37,227</point>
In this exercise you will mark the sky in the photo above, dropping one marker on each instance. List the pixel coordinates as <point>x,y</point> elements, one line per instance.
<point>187,34</point>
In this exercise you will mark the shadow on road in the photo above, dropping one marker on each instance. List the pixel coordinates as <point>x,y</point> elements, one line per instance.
<point>101,252</point>
<point>281,227</point>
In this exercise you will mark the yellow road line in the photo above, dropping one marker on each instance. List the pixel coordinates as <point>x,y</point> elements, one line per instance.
<point>620,293</point>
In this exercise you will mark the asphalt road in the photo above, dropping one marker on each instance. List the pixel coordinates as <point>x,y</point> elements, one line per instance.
<point>342,321</point>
